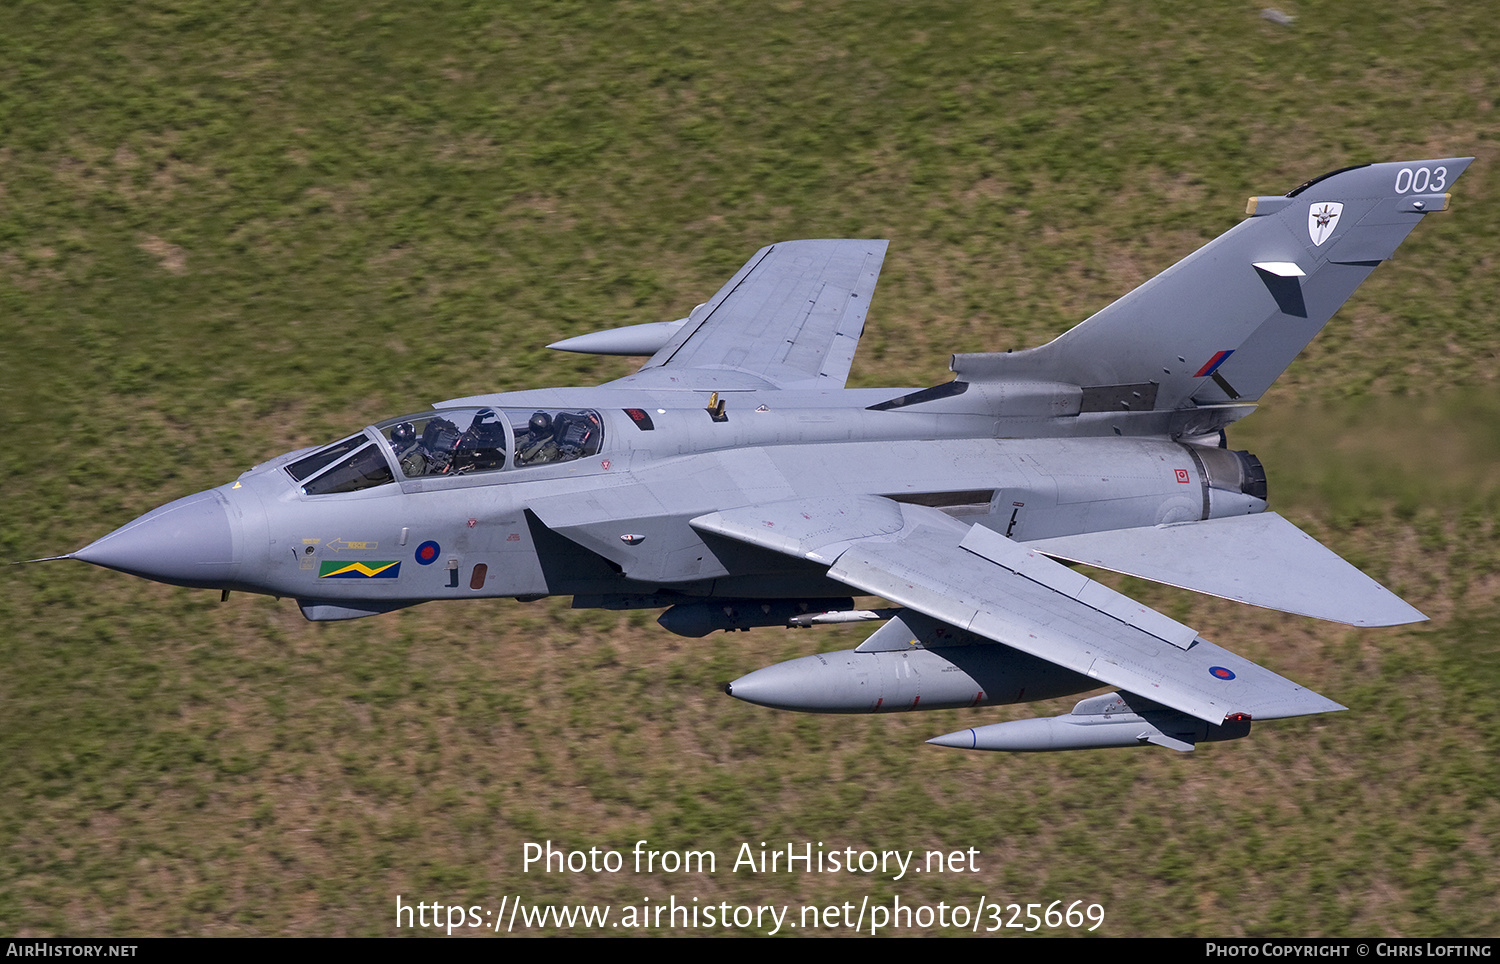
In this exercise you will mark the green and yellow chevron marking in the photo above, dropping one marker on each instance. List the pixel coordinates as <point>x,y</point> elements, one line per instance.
<point>360,570</point>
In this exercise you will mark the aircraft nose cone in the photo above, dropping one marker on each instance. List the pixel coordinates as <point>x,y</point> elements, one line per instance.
<point>189,542</point>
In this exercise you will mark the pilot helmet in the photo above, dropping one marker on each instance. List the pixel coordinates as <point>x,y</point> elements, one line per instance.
<point>540,424</point>
<point>403,435</point>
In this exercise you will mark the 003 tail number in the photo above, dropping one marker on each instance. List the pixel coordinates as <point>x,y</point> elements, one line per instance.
<point>1421,180</point>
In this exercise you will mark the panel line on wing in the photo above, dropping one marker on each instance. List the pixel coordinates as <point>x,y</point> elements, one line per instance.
<point>1043,571</point>
<point>790,318</point>
<point>918,557</point>
<point>684,336</point>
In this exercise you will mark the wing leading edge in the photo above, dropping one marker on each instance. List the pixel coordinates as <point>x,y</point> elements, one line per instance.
<point>790,318</point>
<point>975,579</point>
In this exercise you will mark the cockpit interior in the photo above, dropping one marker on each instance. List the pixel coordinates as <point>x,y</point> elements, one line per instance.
<point>449,443</point>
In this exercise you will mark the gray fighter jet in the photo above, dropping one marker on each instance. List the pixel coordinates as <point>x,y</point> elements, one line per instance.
<point>735,479</point>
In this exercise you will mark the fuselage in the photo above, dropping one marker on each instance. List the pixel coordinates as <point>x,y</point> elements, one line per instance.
<point>733,479</point>
<point>609,519</point>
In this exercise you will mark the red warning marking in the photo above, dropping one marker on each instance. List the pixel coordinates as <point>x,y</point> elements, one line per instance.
<point>1182,475</point>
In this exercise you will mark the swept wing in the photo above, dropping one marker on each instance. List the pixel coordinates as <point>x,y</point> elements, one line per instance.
<point>978,580</point>
<point>790,318</point>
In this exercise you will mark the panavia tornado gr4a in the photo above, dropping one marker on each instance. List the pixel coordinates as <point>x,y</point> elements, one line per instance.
<point>734,479</point>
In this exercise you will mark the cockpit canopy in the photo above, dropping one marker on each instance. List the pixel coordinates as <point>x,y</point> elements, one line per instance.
<point>449,443</point>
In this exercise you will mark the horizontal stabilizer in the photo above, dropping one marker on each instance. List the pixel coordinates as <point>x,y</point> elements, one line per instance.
<point>1259,559</point>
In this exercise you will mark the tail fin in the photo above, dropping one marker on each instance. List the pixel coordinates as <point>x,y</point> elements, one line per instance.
<point>1223,323</point>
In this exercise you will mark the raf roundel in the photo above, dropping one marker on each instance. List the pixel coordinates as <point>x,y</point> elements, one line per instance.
<point>1220,672</point>
<point>428,552</point>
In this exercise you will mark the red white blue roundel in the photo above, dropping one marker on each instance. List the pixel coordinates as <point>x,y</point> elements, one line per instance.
<point>1219,672</point>
<point>428,552</point>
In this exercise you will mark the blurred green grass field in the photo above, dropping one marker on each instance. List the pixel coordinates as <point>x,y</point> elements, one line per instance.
<point>227,231</point>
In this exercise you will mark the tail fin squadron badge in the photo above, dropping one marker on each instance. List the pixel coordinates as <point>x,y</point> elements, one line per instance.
<point>1322,219</point>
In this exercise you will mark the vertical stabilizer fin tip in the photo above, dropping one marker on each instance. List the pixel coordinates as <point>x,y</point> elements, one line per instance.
<point>1259,207</point>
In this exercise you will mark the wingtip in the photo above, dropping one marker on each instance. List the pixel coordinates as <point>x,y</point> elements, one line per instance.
<point>1403,615</point>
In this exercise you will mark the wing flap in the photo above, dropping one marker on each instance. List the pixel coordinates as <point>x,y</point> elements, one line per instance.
<point>1037,567</point>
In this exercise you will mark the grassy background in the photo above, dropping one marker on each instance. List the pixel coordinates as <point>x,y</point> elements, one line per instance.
<point>229,230</point>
